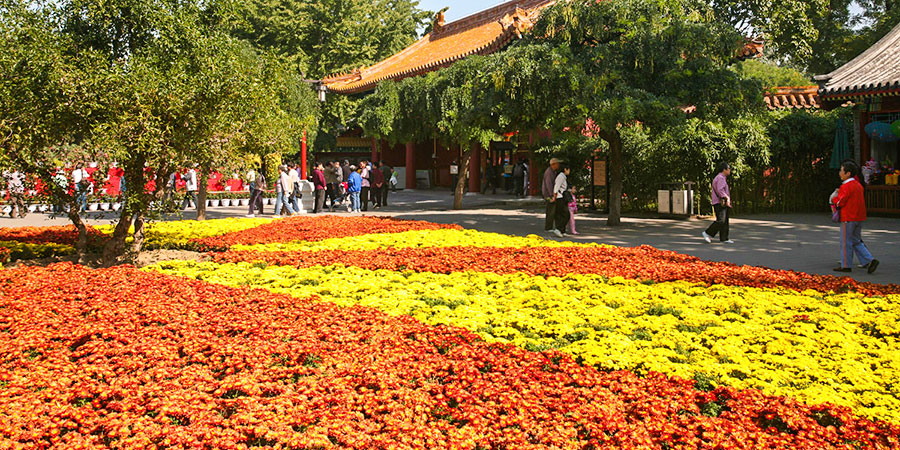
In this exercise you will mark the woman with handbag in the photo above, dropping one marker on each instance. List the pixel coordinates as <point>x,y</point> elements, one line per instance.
<point>850,210</point>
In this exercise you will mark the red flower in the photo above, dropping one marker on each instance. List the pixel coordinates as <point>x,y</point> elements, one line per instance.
<point>642,263</point>
<point>119,358</point>
<point>316,229</point>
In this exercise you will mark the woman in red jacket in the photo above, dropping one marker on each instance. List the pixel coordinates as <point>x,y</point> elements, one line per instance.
<point>851,203</point>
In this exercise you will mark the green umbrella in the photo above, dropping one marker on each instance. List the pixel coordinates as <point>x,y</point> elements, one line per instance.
<point>841,145</point>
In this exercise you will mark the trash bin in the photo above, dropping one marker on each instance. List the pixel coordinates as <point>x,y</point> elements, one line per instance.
<point>676,199</point>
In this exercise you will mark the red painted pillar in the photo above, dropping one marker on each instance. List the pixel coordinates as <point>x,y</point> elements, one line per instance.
<point>475,169</point>
<point>303,157</point>
<point>410,165</point>
<point>374,152</point>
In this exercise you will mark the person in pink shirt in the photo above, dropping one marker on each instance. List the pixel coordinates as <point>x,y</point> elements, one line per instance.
<point>721,201</point>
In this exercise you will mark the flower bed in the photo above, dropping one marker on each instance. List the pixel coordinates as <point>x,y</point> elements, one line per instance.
<point>417,238</point>
<point>780,341</point>
<point>182,235</point>
<point>66,235</point>
<point>18,250</point>
<point>316,228</point>
<point>119,358</point>
<point>642,263</point>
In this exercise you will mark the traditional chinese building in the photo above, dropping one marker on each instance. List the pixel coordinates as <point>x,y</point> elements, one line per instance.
<point>480,34</point>
<point>871,84</point>
<point>483,33</point>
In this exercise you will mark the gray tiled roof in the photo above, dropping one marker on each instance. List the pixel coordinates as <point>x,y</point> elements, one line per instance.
<point>875,70</point>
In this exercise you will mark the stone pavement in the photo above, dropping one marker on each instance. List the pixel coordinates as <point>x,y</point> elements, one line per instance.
<point>802,242</point>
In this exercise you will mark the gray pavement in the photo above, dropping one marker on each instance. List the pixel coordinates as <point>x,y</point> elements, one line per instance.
<point>802,242</point>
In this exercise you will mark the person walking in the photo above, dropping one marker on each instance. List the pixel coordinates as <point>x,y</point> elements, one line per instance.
<point>520,171</point>
<point>15,188</point>
<point>721,201</point>
<point>295,196</point>
<point>82,181</point>
<point>190,185</point>
<point>330,181</point>
<point>366,174</point>
<point>572,202</point>
<point>258,186</point>
<point>387,172</point>
<point>283,190</point>
<point>354,187</point>
<point>319,185</point>
<point>489,179</point>
<point>850,202</point>
<point>547,192</point>
<point>560,186</point>
<point>376,179</point>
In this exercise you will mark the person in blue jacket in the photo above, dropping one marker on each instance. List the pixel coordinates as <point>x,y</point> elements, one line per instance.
<point>354,186</point>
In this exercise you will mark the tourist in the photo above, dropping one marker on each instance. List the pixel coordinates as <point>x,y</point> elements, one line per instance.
<point>490,179</point>
<point>454,176</point>
<point>59,194</point>
<point>15,188</point>
<point>387,172</point>
<point>330,182</point>
<point>190,180</point>
<point>547,192</point>
<point>82,181</point>
<point>721,200</point>
<point>296,195</point>
<point>257,182</point>
<point>851,205</point>
<point>319,185</point>
<point>283,189</point>
<point>365,173</point>
<point>345,170</point>
<point>376,179</point>
<point>560,186</point>
<point>508,169</point>
<point>520,171</point>
<point>572,201</point>
<point>354,187</point>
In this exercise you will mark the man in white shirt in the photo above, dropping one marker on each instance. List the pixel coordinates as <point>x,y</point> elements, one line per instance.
<point>190,180</point>
<point>295,184</point>
<point>15,188</point>
<point>81,179</point>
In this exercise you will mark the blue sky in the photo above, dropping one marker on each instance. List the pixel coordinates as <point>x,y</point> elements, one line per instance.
<point>458,8</point>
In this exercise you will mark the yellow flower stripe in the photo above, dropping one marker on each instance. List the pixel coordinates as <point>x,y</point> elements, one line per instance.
<point>177,235</point>
<point>418,238</point>
<point>817,348</point>
<point>23,250</point>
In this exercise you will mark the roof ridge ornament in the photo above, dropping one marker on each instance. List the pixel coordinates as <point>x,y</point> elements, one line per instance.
<point>439,21</point>
<point>518,22</point>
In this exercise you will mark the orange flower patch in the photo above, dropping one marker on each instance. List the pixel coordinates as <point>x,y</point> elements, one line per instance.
<point>643,263</point>
<point>316,228</point>
<point>66,235</point>
<point>119,358</point>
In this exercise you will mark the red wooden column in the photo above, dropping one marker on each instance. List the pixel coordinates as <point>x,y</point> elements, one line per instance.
<point>410,165</point>
<point>475,169</point>
<point>374,151</point>
<point>303,157</point>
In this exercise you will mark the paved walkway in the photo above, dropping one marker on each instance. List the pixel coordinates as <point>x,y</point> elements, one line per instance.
<point>803,242</point>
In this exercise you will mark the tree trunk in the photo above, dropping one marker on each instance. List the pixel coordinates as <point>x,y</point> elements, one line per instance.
<point>462,184</point>
<point>115,246</point>
<point>82,243</point>
<point>138,243</point>
<point>202,178</point>
<point>616,178</point>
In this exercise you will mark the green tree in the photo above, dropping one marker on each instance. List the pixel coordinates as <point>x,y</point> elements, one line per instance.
<point>643,61</point>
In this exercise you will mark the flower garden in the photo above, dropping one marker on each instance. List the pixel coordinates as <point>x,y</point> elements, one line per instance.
<point>374,333</point>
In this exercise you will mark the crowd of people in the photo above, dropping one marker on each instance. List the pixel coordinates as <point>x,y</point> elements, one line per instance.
<point>340,184</point>
<point>336,184</point>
